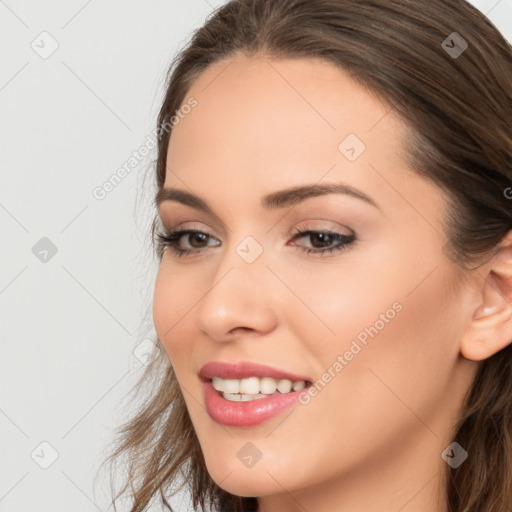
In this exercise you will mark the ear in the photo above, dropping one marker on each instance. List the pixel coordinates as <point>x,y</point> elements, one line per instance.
<point>490,326</point>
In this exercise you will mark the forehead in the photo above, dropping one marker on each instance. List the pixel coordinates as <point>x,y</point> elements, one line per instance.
<point>300,96</point>
<point>262,125</point>
<point>274,112</point>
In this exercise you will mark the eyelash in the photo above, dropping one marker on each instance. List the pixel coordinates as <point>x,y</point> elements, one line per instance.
<point>170,239</point>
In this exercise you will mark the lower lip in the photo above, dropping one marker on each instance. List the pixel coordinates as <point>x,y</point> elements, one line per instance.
<point>246,414</point>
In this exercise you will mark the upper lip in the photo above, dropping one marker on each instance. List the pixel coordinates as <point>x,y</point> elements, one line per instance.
<point>244,369</point>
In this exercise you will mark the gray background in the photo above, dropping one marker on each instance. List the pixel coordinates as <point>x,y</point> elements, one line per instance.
<point>74,322</point>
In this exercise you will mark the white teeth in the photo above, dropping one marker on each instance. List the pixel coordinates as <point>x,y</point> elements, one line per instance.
<point>254,387</point>
<point>249,386</point>
<point>217,383</point>
<point>299,385</point>
<point>267,385</point>
<point>236,397</point>
<point>285,385</point>
<point>231,386</point>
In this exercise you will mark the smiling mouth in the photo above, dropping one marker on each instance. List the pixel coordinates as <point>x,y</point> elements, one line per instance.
<point>243,409</point>
<point>254,388</point>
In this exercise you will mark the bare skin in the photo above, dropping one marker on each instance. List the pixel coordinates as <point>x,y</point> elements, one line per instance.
<point>372,438</point>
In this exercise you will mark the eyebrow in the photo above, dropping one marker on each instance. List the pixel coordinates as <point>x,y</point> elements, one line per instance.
<point>275,200</point>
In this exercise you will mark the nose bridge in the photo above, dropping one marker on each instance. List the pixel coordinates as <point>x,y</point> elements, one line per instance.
<point>244,261</point>
<point>240,292</point>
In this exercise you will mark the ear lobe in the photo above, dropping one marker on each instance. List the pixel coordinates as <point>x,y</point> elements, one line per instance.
<point>490,328</point>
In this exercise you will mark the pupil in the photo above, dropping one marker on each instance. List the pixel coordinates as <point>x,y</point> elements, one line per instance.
<point>197,236</point>
<point>320,236</point>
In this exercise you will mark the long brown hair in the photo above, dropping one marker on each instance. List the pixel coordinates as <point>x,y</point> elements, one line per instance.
<point>459,109</point>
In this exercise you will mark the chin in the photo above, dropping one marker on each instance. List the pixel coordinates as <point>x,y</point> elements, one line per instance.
<point>247,485</point>
<point>242,481</point>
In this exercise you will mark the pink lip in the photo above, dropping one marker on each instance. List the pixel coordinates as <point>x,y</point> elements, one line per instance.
<point>243,370</point>
<point>246,414</point>
<point>252,412</point>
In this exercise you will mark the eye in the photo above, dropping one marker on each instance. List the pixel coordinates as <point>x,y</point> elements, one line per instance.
<point>172,239</point>
<point>323,241</point>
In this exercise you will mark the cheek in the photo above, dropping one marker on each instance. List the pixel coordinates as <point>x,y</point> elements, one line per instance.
<point>394,325</point>
<point>335,303</point>
<point>389,287</point>
<point>372,401</point>
<point>172,300</point>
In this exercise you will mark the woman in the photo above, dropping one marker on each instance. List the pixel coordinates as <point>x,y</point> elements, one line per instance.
<point>334,295</point>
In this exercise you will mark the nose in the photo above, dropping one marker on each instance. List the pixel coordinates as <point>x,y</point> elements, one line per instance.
<point>239,299</point>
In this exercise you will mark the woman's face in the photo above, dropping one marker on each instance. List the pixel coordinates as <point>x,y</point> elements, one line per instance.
<point>382,316</point>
